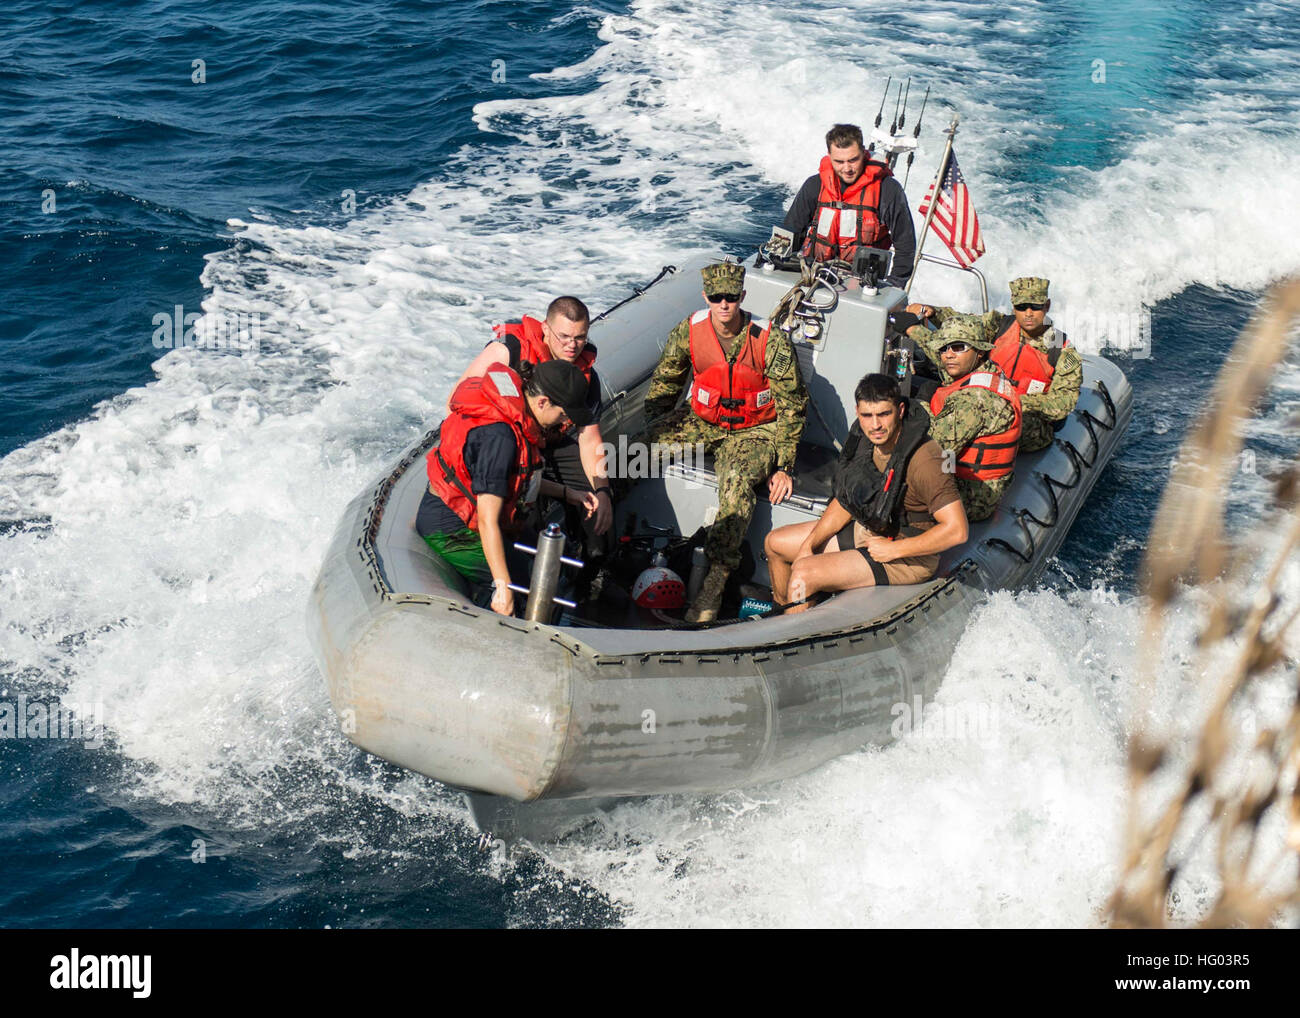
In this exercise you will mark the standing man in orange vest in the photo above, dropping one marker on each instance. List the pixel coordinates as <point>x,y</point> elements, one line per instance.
<point>975,414</point>
<point>852,201</point>
<point>576,460</point>
<point>1034,354</point>
<point>746,406</point>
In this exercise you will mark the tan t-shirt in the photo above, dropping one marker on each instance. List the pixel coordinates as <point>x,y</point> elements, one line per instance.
<point>929,489</point>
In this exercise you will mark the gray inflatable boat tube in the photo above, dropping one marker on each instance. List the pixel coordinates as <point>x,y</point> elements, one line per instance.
<point>423,678</point>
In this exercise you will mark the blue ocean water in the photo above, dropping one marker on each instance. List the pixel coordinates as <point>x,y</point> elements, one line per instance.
<point>120,169</point>
<point>375,183</point>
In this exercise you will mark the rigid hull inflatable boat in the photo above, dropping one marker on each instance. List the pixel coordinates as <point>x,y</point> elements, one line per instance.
<point>516,711</point>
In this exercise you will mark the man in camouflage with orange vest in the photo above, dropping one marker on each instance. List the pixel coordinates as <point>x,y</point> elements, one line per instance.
<point>1034,354</point>
<point>975,413</point>
<point>746,406</point>
<point>852,201</point>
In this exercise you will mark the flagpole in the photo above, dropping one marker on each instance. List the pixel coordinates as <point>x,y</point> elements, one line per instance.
<point>934,200</point>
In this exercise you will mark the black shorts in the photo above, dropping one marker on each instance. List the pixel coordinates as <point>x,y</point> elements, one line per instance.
<point>845,539</point>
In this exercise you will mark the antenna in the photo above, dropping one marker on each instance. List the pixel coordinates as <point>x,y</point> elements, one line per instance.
<point>916,133</point>
<point>881,112</point>
<point>889,145</point>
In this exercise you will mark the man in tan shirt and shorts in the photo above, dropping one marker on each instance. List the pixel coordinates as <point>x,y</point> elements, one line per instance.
<point>895,508</point>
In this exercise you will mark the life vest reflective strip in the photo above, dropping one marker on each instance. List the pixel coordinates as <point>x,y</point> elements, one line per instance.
<point>733,395</point>
<point>989,456</point>
<point>1029,368</point>
<point>532,344</point>
<point>847,218</point>
<point>497,397</point>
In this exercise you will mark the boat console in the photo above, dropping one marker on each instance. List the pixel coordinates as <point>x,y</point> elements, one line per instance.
<point>840,332</point>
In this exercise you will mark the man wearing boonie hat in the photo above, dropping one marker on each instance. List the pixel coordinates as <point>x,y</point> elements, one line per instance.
<point>488,462</point>
<point>1046,371</point>
<point>745,405</point>
<point>975,413</point>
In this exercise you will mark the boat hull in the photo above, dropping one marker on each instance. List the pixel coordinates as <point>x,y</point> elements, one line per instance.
<point>420,676</point>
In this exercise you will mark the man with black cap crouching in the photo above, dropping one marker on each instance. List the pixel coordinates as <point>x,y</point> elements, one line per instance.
<point>575,459</point>
<point>895,507</point>
<point>488,462</point>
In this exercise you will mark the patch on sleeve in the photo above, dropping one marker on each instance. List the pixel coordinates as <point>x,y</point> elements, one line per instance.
<point>781,360</point>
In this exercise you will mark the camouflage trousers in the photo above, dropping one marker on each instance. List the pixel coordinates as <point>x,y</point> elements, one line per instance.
<point>1035,432</point>
<point>980,498</point>
<point>742,459</point>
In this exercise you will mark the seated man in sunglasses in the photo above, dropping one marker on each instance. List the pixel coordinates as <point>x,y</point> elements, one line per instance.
<point>1034,354</point>
<point>746,406</point>
<point>975,414</point>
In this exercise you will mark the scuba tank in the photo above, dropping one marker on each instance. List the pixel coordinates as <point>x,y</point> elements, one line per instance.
<point>659,587</point>
<point>699,569</point>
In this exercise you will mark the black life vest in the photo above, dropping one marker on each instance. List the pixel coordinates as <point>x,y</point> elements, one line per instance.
<point>874,497</point>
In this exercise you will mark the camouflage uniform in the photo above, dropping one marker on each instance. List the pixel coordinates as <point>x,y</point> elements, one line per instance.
<point>742,458</point>
<point>967,413</point>
<point>1041,409</point>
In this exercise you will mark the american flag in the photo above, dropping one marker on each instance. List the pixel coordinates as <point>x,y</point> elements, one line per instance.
<point>955,220</point>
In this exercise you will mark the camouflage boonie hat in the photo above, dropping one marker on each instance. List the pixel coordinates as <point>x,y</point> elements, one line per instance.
<point>1029,290</point>
<point>961,329</point>
<point>724,277</point>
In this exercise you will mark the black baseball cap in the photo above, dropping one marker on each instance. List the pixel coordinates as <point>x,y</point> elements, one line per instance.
<point>564,384</point>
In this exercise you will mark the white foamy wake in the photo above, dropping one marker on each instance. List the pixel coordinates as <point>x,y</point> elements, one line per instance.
<point>176,533</point>
<point>1203,193</point>
<point>1003,807</point>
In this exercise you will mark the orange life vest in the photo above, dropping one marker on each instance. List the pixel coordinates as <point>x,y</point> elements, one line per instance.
<point>847,218</point>
<point>1028,367</point>
<point>989,456</point>
<point>497,397</point>
<point>732,394</point>
<point>532,344</point>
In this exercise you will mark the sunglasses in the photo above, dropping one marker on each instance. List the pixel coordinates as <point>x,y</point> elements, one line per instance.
<point>955,348</point>
<point>1029,307</point>
<point>718,298</point>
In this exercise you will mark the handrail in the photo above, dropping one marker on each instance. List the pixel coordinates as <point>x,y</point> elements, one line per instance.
<point>637,291</point>
<point>949,263</point>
